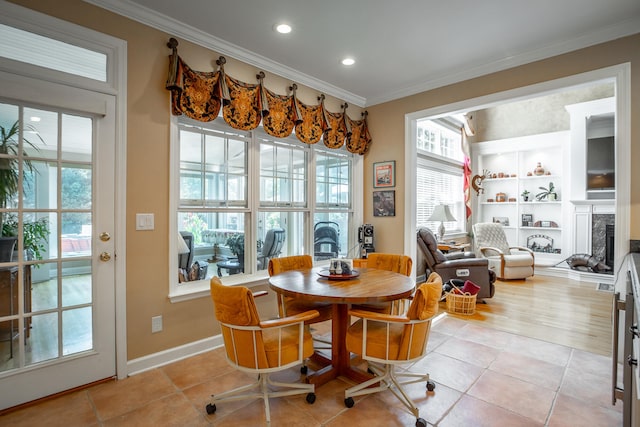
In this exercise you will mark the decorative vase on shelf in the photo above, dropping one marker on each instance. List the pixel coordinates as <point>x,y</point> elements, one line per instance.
<point>501,197</point>
<point>539,170</point>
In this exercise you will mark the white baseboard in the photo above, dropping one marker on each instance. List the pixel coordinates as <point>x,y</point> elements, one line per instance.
<point>151,361</point>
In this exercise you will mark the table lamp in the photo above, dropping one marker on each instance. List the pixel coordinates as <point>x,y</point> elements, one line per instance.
<point>441,213</point>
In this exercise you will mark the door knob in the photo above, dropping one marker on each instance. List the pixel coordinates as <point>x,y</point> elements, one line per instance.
<point>105,256</point>
<point>105,237</point>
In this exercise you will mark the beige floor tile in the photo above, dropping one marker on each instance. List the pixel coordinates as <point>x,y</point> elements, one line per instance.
<point>590,362</point>
<point>200,394</point>
<point>436,338</point>
<point>590,387</point>
<point>471,352</point>
<point>329,401</point>
<point>372,412</point>
<point>118,397</point>
<point>449,371</point>
<point>433,405</point>
<point>70,410</point>
<point>538,349</point>
<point>447,325</point>
<point>171,411</point>
<point>283,413</point>
<point>485,336</point>
<point>570,411</point>
<point>534,371</point>
<point>515,395</point>
<point>197,369</point>
<point>474,412</point>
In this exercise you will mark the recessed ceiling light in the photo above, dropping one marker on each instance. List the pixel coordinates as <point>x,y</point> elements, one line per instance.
<point>348,61</point>
<point>283,28</point>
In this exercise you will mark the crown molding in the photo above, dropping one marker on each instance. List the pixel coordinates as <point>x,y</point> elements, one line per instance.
<point>183,31</point>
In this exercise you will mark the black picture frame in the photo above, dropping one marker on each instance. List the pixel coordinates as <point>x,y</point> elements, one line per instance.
<point>384,203</point>
<point>527,220</point>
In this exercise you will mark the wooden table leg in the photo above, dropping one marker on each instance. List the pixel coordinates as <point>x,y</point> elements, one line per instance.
<point>340,356</point>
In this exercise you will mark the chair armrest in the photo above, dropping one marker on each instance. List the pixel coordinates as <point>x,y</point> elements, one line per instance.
<point>371,315</point>
<point>522,248</point>
<point>463,263</point>
<point>483,249</point>
<point>460,255</point>
<point>289,320</point>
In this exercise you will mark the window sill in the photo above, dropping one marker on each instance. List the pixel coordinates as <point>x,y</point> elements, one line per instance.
<point>201,288</point>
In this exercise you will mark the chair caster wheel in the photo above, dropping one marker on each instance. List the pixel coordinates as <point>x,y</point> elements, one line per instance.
<point>311,397</point>
<point>304,370</point>
<point>348,402</point>
<point>211,409</point>
<point>431,385</point>
<point>420,422</point>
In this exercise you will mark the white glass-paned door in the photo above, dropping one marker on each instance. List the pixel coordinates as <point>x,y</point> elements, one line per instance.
<point>56,210</point>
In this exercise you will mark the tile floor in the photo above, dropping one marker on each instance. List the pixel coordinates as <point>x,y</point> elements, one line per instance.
<point>484,377</point>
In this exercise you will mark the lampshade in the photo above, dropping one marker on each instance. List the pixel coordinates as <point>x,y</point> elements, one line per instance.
<point>182,245</point>
<point>441,213</point>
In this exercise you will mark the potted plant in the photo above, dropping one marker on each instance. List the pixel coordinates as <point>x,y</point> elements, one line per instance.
<point>525,195</point>
<point>547,193</point>
<point>9,185</point>
<point>34,235</point>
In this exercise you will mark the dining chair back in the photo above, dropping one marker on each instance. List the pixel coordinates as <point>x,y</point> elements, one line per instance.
<point>397,263</point>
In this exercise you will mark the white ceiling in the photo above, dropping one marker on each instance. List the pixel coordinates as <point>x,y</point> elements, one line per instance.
<point>400,47</point>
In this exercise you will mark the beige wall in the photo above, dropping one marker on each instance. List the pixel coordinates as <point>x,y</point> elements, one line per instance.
<point>386,121</point>
<point>148,154</point>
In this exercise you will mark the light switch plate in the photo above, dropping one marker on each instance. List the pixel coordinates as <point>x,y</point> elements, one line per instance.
<point>145,221</point>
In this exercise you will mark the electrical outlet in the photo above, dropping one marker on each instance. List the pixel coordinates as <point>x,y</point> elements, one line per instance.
<point>156,324</point>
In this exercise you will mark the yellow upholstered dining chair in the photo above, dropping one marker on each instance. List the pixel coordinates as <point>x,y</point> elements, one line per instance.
<point>386,340</point>
<point>391,262</point>
<point>259,347</point>
<point>288,306</point>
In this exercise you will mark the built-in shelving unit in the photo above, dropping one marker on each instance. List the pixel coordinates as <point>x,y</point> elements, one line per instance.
<point>512,168</point>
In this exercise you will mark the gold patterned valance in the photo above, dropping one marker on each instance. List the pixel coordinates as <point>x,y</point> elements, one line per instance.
<point>200,95</point>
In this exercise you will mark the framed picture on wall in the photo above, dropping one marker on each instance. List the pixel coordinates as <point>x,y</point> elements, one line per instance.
<point>384,174</point>
<point>501,220</point>
<point>384,203</point>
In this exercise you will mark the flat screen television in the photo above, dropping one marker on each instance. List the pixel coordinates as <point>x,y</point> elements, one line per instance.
<point>601,163</point>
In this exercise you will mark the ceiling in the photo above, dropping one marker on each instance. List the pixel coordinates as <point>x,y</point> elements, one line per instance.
<point>401,48</point>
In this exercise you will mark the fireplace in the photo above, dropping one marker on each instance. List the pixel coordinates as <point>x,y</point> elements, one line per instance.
<point>602,237</point>
<point>610,231</point>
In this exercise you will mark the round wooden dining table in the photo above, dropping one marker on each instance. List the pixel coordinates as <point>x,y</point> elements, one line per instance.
<point>370,286</point>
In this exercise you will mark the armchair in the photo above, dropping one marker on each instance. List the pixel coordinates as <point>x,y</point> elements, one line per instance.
<point>288,306</point>
<point>388,340</point>
<point>272,247</point>
<point>509,262</point>
<point>462,266</point>
<point>259,346</point>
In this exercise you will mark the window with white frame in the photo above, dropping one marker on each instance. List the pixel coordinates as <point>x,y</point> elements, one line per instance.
<point>295,186</point>
<point>439,175</point>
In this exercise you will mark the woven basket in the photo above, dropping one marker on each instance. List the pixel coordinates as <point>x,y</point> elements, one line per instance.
<point>461,303</point>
